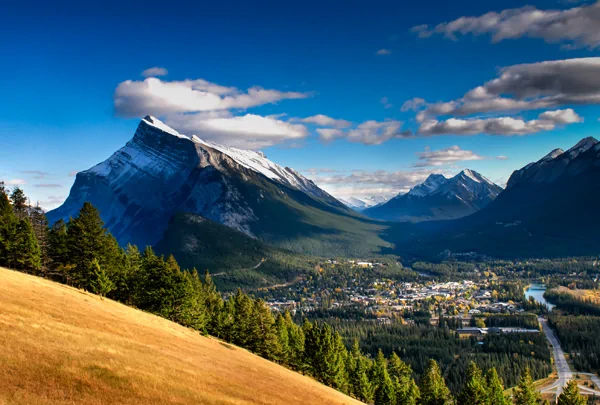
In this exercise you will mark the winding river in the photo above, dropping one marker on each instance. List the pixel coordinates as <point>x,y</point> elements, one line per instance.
<point>537,292</point>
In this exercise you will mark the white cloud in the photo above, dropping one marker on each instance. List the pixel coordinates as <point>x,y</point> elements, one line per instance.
<point>368,183</point>
<point>446,156</point>
<point>155,72</point>
<point>36,174</point>
<point>376,132</point>
<point>156,97</point>
<point>576,27</point>
<point>47,185</point>
<point>413,104</point>
<point>325,121</point>
<point>329,134</point>
<point>52,202</point>
<point>528,87</point>
<point>383,52</point>
<point>16,182</point>
<point>499,125</point>
<point>249,131</point>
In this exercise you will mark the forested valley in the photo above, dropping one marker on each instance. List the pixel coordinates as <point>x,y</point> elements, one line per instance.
<point>377,365</point>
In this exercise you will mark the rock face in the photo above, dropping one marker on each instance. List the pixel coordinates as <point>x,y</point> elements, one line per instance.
<point>161,172</point>
<point>439,198</point>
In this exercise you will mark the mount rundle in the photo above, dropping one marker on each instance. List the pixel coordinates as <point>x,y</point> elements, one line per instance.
<point>161,172</point>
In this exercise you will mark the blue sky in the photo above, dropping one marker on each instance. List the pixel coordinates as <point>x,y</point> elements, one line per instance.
<point>73,91</point>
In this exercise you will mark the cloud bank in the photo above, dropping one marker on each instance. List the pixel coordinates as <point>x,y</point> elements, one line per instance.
<point>575,27</point>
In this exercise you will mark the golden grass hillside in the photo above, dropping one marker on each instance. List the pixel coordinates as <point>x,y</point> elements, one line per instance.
<point>59,345</point>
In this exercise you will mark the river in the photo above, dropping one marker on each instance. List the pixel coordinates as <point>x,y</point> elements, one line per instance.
<point>537,292</point>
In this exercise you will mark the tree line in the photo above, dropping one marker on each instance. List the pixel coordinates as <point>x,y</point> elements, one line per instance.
<point>83,254</point>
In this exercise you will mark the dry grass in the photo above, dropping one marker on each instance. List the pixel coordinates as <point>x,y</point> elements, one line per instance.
<point>587,295</point>
<point>59,345</point>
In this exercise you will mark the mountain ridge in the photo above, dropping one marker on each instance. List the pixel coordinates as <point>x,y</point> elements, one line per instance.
<point>439,197</point>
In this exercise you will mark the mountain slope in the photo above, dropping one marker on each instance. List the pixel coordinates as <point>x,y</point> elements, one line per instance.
<point>439,198</point>
<point>160,173</point>
<point>64,346</point>
<point>233,258</point>
<point>549,208</point>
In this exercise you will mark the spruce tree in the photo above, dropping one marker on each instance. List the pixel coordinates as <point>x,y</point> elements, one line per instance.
<point>86,239</point>
<point>296,343</point>
<point>361,386</point>
<point>58,248</point>
<point>571,396</point>
<point>19,202</point>
<point>473,391</point>
<point>433,388</point>
<point>101,283</point>
<point>495,389</point>
<point>8,225</point>
<point>525,392</point>
<point>283,337</point>
<point>262,338</point>
<point>385,393</point>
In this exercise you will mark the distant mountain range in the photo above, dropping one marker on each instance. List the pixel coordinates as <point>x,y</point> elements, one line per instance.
<point>549,208</point>
<point>360,204</point>
<point>218,207</point>
<point>439,198</point>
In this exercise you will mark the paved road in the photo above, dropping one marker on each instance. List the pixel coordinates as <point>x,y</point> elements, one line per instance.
<point>562,366</point>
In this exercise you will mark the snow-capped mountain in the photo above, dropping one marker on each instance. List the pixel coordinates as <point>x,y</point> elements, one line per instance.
<point>552,166</point>
<point>161,172</point>
<point>360,204</point>
<point>439,197</point>
<point>549,208</point>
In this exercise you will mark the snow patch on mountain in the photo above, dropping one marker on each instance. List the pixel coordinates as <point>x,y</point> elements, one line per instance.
<point>256,161</point>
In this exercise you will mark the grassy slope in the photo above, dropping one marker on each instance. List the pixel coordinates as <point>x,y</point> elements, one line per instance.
<point>63,346</point>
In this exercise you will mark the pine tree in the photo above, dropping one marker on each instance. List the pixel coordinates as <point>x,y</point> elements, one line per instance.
<point>58,249</point>
<point>571,396</point>
<point>86,239</point>
<point>360,383</point>
<point>39,222</point>
<point>405,388</point>
<point>473,391</point>
<point>296,343</point>
<point>407,394</point>
<point>26,253</point>
<point>283,337</point>
<point>385,393</point>
<point>433,387</point>
<point>101,284</point>
<point>19,202</point>
<point>262,338</point>
<point>495,389</point>
<point>525,392</point>
<point>8,225</point>
<point>242,316</point>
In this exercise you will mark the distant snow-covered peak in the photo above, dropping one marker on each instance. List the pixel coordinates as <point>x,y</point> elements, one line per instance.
<point>582,146</point>
<point>474,176</point>
<point>253,160</point>
<point>155,122</point>
<point>432,183</point>
<point>552,155</point>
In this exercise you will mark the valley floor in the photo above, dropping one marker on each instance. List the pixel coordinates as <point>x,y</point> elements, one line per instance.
<point>60,345</point>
